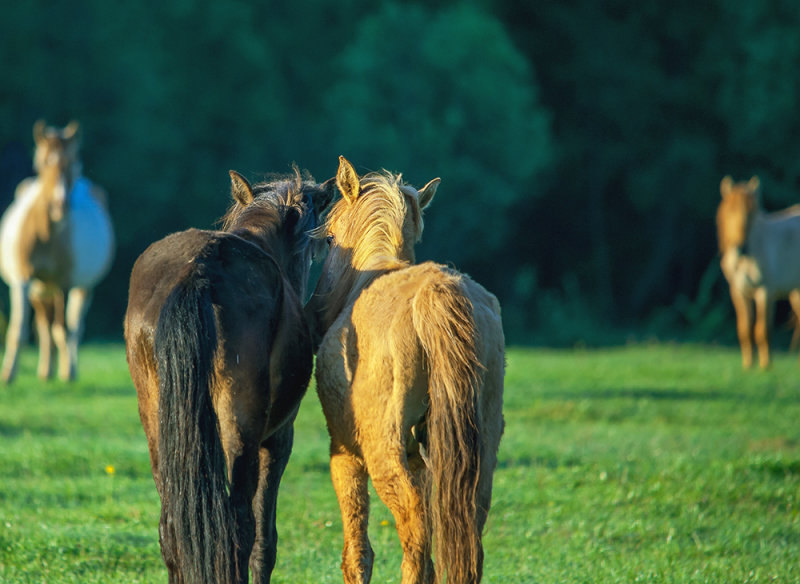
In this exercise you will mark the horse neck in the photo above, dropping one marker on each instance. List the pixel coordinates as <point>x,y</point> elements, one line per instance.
<point>349,286</point>
<point>50,180</point>
<point>275,244</point>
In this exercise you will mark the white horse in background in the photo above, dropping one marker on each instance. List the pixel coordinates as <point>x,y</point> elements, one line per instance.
<point>761,261</point>
<point>56,244</point>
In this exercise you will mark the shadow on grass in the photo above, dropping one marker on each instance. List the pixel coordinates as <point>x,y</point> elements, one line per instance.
<point>667,394</point>
<point>15,430</point>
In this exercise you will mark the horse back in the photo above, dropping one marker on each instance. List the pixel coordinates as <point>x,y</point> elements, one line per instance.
<point>775,246</point>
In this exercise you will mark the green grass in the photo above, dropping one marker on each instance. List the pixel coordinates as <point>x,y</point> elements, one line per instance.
<point>640,464</point>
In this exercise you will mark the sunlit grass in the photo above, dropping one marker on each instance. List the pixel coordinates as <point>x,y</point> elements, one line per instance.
<point>661,463</point>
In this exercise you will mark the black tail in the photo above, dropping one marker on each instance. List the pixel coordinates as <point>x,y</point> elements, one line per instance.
<point>199,527</point>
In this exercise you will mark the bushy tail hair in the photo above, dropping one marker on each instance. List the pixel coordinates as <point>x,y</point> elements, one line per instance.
<point>443,319</point>
<point>200,527</point>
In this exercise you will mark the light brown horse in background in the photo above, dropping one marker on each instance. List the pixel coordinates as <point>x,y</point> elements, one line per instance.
<point>410,376</point>
<point>56,244</point>
<point>760,259</point>
<point>220,354</point>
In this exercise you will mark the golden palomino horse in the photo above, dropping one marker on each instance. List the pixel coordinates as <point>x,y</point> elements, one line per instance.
<point>760,259</point>
<point>220,354</point>
<point>56,244</point>
<point>410,377</point>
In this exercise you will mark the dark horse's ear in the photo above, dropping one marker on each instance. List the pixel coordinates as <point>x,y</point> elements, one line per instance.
<point>324,195</point>
<point>347,180</point>
<point>241,190</point>
<point>427,192</point>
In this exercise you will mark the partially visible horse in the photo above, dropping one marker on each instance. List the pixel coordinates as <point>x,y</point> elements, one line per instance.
<point>220,354</point>
<point>760,259</point>
<point>56,244</point>
<point>410,377</point>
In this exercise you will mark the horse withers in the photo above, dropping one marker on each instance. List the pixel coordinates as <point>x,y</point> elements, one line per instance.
<point>56,244</point>
<point>220,354</point>
<point>760,259</point>
<point>410,376</point>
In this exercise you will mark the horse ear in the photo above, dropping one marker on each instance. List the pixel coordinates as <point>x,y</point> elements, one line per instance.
<point>725,186</point>
<point>241,190</point>
<point>325,194</point>
<point>754,183</point>
<point>347,180</point>
<point>38,131</point>
<point>427,192</point>
<point>71,130</point>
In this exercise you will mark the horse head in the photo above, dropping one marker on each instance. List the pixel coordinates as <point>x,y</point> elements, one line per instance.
<point>372,228</point>
<point>279,216</point>
<point>57,162</point>
<point>740,202</point>
<point>378,216</point>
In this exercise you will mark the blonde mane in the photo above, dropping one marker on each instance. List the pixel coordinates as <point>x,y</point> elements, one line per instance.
<point>373,235</point>
<point>373,230</point>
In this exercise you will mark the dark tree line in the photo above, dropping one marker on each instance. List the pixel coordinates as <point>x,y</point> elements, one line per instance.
<point>580,143</point>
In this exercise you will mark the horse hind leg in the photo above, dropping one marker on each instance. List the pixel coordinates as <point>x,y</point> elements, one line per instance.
<point>18,329</point>
<point>273,457</point>
<point>349,477</point>
<point>241,426</point>
<point>402,492</point>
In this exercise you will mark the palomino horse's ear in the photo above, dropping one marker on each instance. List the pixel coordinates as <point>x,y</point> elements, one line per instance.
<point>241,190</point>
<point>726,185</point>
<point>38,131</point>
<point>71,130</point>
<point>347,180</point>
<point>325,195</point>
<point>426,193</point>
<point>754,183</point>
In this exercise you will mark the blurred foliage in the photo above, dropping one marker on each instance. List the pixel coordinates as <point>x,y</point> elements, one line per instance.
<point>580,144</point>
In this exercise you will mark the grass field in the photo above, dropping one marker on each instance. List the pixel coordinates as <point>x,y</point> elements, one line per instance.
<point>660,463</point>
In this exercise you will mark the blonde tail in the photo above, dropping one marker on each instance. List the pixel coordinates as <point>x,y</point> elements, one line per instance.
<point>443,319</point>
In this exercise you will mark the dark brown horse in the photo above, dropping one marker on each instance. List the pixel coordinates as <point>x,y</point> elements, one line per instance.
<point>221,356</point>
